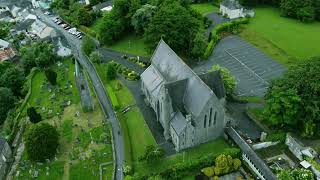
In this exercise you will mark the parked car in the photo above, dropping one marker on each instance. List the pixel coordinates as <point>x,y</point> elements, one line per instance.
<point>67,27</point>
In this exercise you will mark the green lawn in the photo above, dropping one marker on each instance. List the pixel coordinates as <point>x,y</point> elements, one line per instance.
<point>135,131</point>
<point>205,8</point>
<point>282,38</point>
<point>131,44</point>
<point>82,142</point>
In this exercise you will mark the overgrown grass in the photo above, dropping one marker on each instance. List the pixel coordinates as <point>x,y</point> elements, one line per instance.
<point>84,140</point>
<point>282,38</point>
<point>205,8</point>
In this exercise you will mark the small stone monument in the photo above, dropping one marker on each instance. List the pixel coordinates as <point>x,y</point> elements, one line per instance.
<point>263,136</point>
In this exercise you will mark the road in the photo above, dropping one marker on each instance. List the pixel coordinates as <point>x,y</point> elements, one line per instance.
<point>105,102</point>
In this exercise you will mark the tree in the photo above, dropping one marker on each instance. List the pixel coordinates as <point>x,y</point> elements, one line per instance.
<point>111,28</point>
<point>208,171</point>
<point>34,117</point>
<point>88,45</point>
<point>7,102</point>
<point>175,25</point>
<point>79,15</point>
<point>51,76</point>
<point>41,142</point>
<point>199,45</point>
<point>142,17</point>
<point>228,80</point>
<point>317,9</point>
<point>111,71</point>
<point>302,10</point>
<point>299,100</point>
<point>95,57</point>
<point>13,78</point>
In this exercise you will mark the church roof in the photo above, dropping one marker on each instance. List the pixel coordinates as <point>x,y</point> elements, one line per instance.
<point>231,4</point>
<point>214,81</point>
<point>178,122</point>
<point>153,80</point>
<point>172,69</point>
<point>177,91</point>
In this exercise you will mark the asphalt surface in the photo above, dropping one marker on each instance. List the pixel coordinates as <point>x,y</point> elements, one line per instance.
<point>100,92</point>
<point>252,69</point>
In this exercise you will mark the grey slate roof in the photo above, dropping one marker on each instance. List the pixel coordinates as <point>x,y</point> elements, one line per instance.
<point>178,122</point>
<point>24,25</point>
<point>102,5</point>
<point>172,68</point>
<point>215,82</point>
<point>177,91</point>
<point>153,80</point>
<point>5,14</point>
<point>231,4</point>
<point>255,159</point>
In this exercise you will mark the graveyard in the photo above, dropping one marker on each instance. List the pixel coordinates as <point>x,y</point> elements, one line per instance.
<point>85,139</point>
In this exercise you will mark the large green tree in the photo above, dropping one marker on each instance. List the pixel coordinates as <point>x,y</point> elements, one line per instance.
<point>295,174</point>
<point>7,102</point>
<point>88,45</point>
<point>142,17</point>
<point>175,24</point>
<point>295,98</point>
<point>41,141</point>
<point>13,78</point>
<point>229,81</point>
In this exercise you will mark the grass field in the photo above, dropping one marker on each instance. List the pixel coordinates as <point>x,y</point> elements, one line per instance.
<point>135,131</point>
<point>205,8</point>
<point>282,38</point>
<point>85,141</point>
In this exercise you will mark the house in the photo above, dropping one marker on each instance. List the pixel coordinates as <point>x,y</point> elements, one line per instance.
<point>25,14</point>
<point>6,51</point>
<point>233,9</point>
<point>189,107</point>
<point>6,156</point>
<point>103,7</point>
<point>42,30</point>
<point>14,10</point>
<point>6,16</point>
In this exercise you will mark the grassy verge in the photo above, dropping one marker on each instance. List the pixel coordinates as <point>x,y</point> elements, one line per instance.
<point>282,38</point>
<point>205,8</point>
<point>84,140</point>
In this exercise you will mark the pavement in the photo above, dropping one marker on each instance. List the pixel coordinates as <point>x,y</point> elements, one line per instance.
<point>216,20</point>
<point>104,100</point>
<point>252,68</point>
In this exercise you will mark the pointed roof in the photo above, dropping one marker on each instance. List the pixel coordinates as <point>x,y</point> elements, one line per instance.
<point>214,80</point>
<point>172,69</point>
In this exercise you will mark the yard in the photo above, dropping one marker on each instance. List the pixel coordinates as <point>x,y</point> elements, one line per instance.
<point>205,8</point>
<point>282,38</point>
<point>137,134</point>
<point>85,140</point>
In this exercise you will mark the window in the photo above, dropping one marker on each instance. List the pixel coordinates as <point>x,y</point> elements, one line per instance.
<point>210,117</point>
<point>205,121</point>
<point>215,118</point>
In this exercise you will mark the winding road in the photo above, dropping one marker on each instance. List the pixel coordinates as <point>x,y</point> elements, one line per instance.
<point>104,99</point>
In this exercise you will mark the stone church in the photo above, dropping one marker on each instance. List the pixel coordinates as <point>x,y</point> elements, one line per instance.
<point>189,107</point>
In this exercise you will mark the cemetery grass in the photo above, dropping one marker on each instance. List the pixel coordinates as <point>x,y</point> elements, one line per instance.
<point>284,39</point>
<point>136,132</point>
<point>204,8</point>
<point>77,156</point>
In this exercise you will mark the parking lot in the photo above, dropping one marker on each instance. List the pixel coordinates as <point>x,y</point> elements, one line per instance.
<point>252,69</point>
<point>65,26</point>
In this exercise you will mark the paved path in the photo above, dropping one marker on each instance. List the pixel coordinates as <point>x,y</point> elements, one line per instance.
<point>252,68</point>
<point>100,92</point>
<point>216,19</point>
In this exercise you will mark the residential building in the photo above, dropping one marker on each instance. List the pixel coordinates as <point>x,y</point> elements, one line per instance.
<point>103,7</point>
<point>233,9</point>
<point>42,30</point>
<point>6,51</point>
<point>189,107</point>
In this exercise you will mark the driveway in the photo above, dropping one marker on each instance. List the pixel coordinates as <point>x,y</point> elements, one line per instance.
<point>216,19</point>
<point>100,92</point>
<point>252,69</point>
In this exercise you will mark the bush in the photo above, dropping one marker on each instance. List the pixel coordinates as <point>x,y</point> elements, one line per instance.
<point>229,81</point>
<point>113,98</point>
<point>88,45</point>
<point>278,136</point>
<point>51,76</point>
<point>34,117</point>
<point>41,141</point>
<point>208,171</point>
<point>111,71</point>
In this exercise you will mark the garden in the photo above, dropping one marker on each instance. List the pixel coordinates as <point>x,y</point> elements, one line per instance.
<point>84,137</point>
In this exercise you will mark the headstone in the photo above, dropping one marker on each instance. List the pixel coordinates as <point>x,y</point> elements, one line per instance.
<point>36,174</point>
<point>18,174</point>
<point>263,136</point>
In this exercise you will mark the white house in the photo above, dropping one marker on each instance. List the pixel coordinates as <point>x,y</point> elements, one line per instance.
<point>233,9</point>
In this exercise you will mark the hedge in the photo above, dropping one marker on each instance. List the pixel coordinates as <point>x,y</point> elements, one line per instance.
<point>215,35</point>
<point>113,98</point>
<point>179,170</point>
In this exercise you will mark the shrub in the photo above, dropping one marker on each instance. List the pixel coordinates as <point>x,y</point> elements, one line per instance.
<point>208,171</point>
<point>278,136</point>
<point>236,164</point>
<point>113,98</point>
<point>111,71</point>
<point>88,45</point>
<point>41,141</point>
<point>34,117</point>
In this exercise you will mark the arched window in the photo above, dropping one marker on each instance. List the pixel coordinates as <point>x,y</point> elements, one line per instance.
<point>205,121</point>
<point>215,118</point>
<point>210,117</point>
